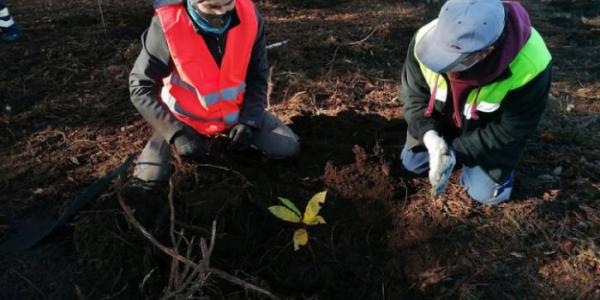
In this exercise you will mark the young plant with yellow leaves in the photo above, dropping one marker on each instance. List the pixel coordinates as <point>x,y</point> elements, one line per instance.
<point>290,213</point>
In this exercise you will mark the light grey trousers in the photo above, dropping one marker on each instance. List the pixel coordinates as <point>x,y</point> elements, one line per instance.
<point>274,139</point>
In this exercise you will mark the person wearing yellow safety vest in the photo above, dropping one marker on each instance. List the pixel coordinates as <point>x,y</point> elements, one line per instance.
<point>475,84</point>
<point>202,73</point>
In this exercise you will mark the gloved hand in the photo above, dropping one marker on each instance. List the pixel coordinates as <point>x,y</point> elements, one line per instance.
<point>191,145</point>
<point>241,137</point>
<point>441,161</point>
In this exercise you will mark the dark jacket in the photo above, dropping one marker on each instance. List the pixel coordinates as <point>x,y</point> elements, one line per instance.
<point>154,63</point>
<point>495,141</point>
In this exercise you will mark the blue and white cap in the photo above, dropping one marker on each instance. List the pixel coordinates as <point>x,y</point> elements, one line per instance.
<point>463,27</point>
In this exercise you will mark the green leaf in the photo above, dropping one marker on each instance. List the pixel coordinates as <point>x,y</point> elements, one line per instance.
<point>284,213</point>
<point>312,209</point>
<point>289,204</point>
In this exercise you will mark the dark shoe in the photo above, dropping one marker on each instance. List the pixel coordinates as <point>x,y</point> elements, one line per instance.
<point>149,208</point>
<point>10,35</point>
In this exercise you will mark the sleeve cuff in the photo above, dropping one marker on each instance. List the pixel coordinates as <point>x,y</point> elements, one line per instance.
<point>462,154</point>
<point>254,120</point>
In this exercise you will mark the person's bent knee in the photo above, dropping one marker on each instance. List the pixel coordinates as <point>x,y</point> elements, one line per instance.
<point>415,162</point>
<point>286,148</point>
<point>276,139</point>
<point>484,189</point>
<point>294,149</point>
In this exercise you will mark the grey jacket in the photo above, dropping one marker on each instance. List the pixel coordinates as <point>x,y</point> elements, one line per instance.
<point>154,63</point>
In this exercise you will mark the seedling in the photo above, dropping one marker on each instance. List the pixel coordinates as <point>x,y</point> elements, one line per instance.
<point>290,213</point>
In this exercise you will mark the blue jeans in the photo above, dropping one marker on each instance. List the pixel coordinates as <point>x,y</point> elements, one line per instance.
<point>480,186</point>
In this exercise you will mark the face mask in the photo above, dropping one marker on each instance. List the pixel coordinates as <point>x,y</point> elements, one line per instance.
<point>470,60</point>
<point>462,67</point>
<point>217,21</point>
<point>215,24</point>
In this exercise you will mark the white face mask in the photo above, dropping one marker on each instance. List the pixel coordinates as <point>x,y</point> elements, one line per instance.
<point>462,67</point>
<point>471,60</point>
<point>466,64</point>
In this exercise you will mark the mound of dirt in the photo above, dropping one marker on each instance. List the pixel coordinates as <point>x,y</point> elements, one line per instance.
<point>368,178</point>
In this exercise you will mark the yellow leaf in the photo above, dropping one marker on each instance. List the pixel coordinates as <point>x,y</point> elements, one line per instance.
<point>300,238</point>
<point>284,213</point>
<point>316,221</point>
<point>312,209</point>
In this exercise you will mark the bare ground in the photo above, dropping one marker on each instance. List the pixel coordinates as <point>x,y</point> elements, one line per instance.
<point>67,121</point>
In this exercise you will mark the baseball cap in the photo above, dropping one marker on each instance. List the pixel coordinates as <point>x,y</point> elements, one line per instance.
<point>463,27</point>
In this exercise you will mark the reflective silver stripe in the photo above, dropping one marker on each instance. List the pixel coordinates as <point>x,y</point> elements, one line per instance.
<point>4,12</point>
<point>441,94</point>
<point>482,106</point>
<point>229,119</point>
<point>178,109</point>
<point>227,94</point>
<point>230,94</point>
<point>175,79</point>
<point>204,100</point>
<point>209,99</point>
<point>232,118</point>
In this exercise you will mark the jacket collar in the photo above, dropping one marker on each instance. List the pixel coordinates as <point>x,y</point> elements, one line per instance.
<point>235,21</point>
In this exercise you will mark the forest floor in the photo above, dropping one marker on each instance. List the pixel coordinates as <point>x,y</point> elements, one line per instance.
<point>67,120</point>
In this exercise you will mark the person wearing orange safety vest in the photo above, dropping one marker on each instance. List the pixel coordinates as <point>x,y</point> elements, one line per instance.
<point>202,72</point>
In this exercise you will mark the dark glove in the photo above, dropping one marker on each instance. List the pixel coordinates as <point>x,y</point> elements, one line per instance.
<point>191,145</point>
<point>241,137</point>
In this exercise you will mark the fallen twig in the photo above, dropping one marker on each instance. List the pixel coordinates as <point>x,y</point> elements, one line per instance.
<point>365,38</point>
<point>30,283</point>
<point>278,44</point>
<point>332,61</point>
<point>102,16</point>
<point>145,279</point>
<point>269,87</point>
<point>129,216</point>
<point>201,269</point>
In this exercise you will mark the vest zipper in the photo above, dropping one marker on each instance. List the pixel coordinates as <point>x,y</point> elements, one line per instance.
<point>219,46</point>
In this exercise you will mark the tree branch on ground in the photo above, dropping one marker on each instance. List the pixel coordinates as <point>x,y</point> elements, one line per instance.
<point>188,277</point>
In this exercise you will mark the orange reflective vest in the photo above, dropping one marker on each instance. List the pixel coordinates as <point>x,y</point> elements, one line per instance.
<point>198,92</point>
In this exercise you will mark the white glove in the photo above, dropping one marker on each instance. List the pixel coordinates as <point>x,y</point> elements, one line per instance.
<point>441,161</point>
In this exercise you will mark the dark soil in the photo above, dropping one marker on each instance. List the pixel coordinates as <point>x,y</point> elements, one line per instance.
<point>67,121</point>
